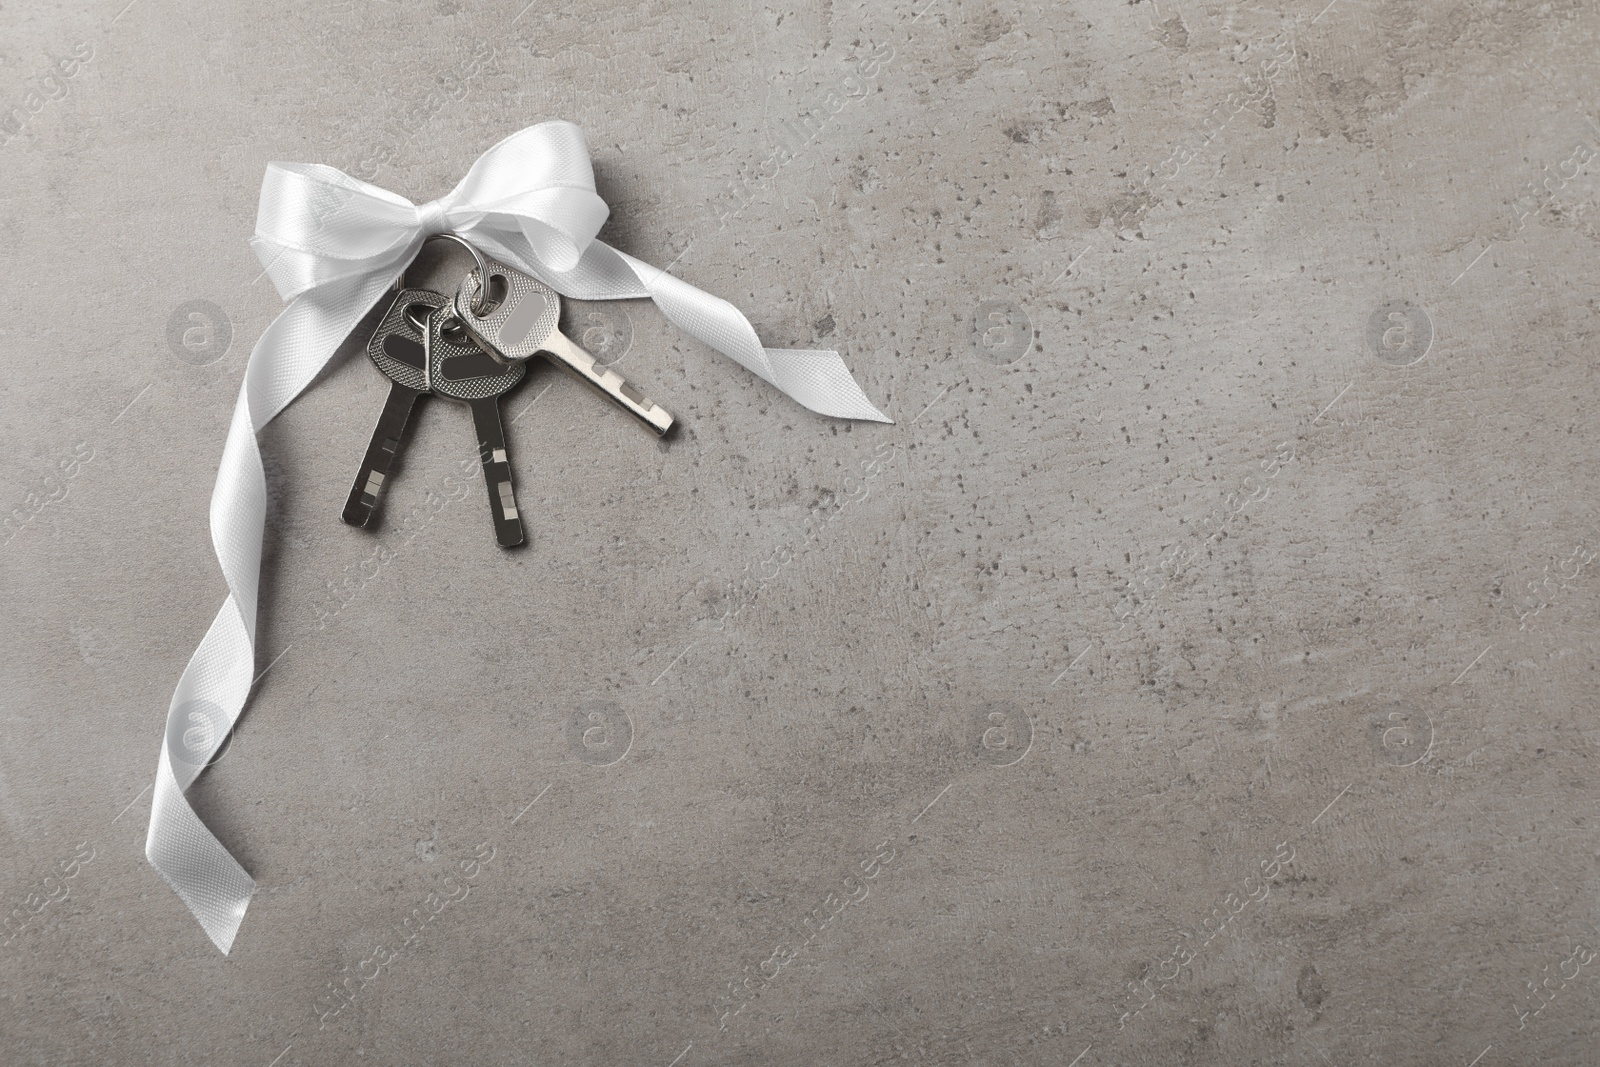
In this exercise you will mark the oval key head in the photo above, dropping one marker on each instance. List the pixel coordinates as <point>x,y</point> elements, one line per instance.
<point>398,346</point>
<point>522,314</point>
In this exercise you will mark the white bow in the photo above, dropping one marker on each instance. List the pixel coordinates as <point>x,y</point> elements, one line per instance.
<point>332,245</point>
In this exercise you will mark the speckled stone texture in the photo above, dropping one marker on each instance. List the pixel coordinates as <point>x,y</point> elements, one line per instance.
<point>1201,670</point>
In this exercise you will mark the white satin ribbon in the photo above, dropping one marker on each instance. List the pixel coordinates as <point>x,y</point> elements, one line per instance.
<point>332,245</point>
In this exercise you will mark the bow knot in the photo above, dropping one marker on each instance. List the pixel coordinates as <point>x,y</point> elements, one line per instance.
<point>433,217</point>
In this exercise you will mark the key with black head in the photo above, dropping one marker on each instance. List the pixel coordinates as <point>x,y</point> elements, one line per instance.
<point>398,347</point>
<point>460,370</point>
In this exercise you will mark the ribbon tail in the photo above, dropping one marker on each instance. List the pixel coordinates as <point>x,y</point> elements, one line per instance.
<point>210,882</point>
<point>215,685</point>
<point>819,379</point>
<point>816,378</point>
<point>179,846</point>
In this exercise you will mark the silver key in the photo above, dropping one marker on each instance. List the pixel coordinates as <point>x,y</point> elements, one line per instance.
<point>397,348</point>
<point>460,370</point>
<point>523,319</point>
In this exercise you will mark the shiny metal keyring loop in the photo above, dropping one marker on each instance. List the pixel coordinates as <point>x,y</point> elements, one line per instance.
<point>480,303</point>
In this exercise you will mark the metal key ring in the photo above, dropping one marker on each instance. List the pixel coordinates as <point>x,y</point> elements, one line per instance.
<point>480,303</point>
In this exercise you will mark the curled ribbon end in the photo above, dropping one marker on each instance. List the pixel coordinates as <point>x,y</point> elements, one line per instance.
<point>222,935</point>
<point>820,380</point>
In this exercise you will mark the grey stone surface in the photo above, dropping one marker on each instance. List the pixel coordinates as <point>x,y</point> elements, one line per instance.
<point>1201,670</point>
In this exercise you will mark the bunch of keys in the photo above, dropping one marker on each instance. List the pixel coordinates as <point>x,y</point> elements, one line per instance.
<point>474,350</point>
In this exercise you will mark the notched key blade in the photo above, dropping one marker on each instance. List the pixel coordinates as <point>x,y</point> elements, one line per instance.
<point>381,452</point>
<point>525,319</point>
<point>567,354</point>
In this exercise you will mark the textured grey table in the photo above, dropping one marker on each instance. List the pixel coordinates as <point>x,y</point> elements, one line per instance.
<point>1200,670</point>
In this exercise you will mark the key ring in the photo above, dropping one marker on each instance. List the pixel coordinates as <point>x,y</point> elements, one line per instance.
<point>480,303</point>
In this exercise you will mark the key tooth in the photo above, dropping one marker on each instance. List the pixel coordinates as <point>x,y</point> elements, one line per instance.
<point>608,381</point>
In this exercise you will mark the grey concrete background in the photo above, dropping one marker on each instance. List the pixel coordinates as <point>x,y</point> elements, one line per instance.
<point>1201,670</point>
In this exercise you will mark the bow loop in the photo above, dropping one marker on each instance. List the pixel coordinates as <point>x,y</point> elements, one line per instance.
<point>548,229</point>
<point>536,197</point>
<point>533,194</point>
<point>317,225</point>
<point>324,211</point>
